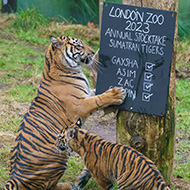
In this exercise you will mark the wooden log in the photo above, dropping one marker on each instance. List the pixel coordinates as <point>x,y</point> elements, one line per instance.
<point>153,136</point>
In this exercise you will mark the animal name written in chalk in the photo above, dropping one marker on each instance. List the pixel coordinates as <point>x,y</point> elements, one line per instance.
<point>129,83</point>
<point>126,73</point>
<point>124,61</point>
<point>135,15</point>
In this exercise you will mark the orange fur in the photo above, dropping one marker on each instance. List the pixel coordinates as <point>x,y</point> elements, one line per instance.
<point>64,94</point>
<point>112,163</point>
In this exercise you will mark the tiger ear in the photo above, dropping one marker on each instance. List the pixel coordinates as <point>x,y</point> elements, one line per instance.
<point>79,122</point>
<point>56,42</point>
<point>70,133</point>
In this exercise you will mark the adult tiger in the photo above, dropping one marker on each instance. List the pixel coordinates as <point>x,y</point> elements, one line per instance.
<point>111,162</point>
<point>63,95</point>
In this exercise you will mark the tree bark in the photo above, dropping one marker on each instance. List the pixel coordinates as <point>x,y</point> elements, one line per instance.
<point>153,136</point>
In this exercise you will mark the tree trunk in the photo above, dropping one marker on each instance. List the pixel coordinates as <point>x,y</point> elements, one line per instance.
<point>153,136</point>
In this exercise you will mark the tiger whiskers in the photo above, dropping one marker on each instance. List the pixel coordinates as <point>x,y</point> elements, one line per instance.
<point>97,66</point>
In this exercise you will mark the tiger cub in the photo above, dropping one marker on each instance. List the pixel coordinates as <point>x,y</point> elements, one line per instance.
<point>111,162</point>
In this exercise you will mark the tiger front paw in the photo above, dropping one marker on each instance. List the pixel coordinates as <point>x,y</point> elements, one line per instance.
<point>83,178</point>
<point>117,95</point>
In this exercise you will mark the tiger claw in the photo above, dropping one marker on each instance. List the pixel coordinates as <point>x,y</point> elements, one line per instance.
<point>123,94</point>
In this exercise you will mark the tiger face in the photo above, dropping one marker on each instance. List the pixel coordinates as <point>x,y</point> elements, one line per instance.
<point>62,141</point>
<point>72,52</point>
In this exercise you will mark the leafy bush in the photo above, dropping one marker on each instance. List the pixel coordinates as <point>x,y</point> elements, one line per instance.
<point>29,19</point>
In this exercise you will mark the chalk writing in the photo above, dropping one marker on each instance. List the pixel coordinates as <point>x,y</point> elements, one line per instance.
<point>146,97</point>
<point>118,34</point>
<point>135,51</point>
<point>135,15</point>
<point>135,36</point>
<point>147,86</point>
<point>126,74</point>
<point>149,66</point>
<point>124,61</point>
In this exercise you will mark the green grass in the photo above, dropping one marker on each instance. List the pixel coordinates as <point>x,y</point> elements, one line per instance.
<point>183,96</point>
<point>32,37</point>
<point>75,166</point>
<point>182,156</point>
<point>182,170</point>
<point>29,19</point>
<point>23,92</point>
<point>21,61</point>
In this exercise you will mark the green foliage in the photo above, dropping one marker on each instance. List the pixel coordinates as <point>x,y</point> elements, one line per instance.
<point>4,162</point>
<point>29,19</point>
<point>86,9</point>
<point>32,37</point>
<point>184,18</point>
<point>92,185</point>
<point>75,166</point>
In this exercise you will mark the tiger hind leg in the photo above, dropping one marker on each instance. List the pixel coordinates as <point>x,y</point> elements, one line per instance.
<point>65,186</point>
<point>83,178</point>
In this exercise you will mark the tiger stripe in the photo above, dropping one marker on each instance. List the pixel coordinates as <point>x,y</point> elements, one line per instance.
<point>111,162</point>
<point>64,94</point>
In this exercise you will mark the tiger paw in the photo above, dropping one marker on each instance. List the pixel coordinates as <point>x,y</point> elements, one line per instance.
<point>73,187</point>
<point>65,186</point>
<point>83,179</point>
<point>116,95</point>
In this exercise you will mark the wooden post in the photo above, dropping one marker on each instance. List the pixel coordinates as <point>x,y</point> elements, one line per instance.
<point>153,136</point>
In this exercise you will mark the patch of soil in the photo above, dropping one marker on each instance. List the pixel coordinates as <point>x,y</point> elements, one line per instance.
<point>179,184</point>
<point>6,20</point>
<point>2,85</point>
<point>6,138</point>
<point>182,73</point>
<point>11,109</point>
<point>102,125</point>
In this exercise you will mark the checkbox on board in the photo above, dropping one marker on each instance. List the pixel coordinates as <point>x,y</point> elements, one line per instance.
<point>147,86</point>
<point>148,76</point>
<point>149,66</point>
<point>146,96</point>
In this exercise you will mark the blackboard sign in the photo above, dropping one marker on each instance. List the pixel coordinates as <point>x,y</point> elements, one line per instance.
<point>136,48</point>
